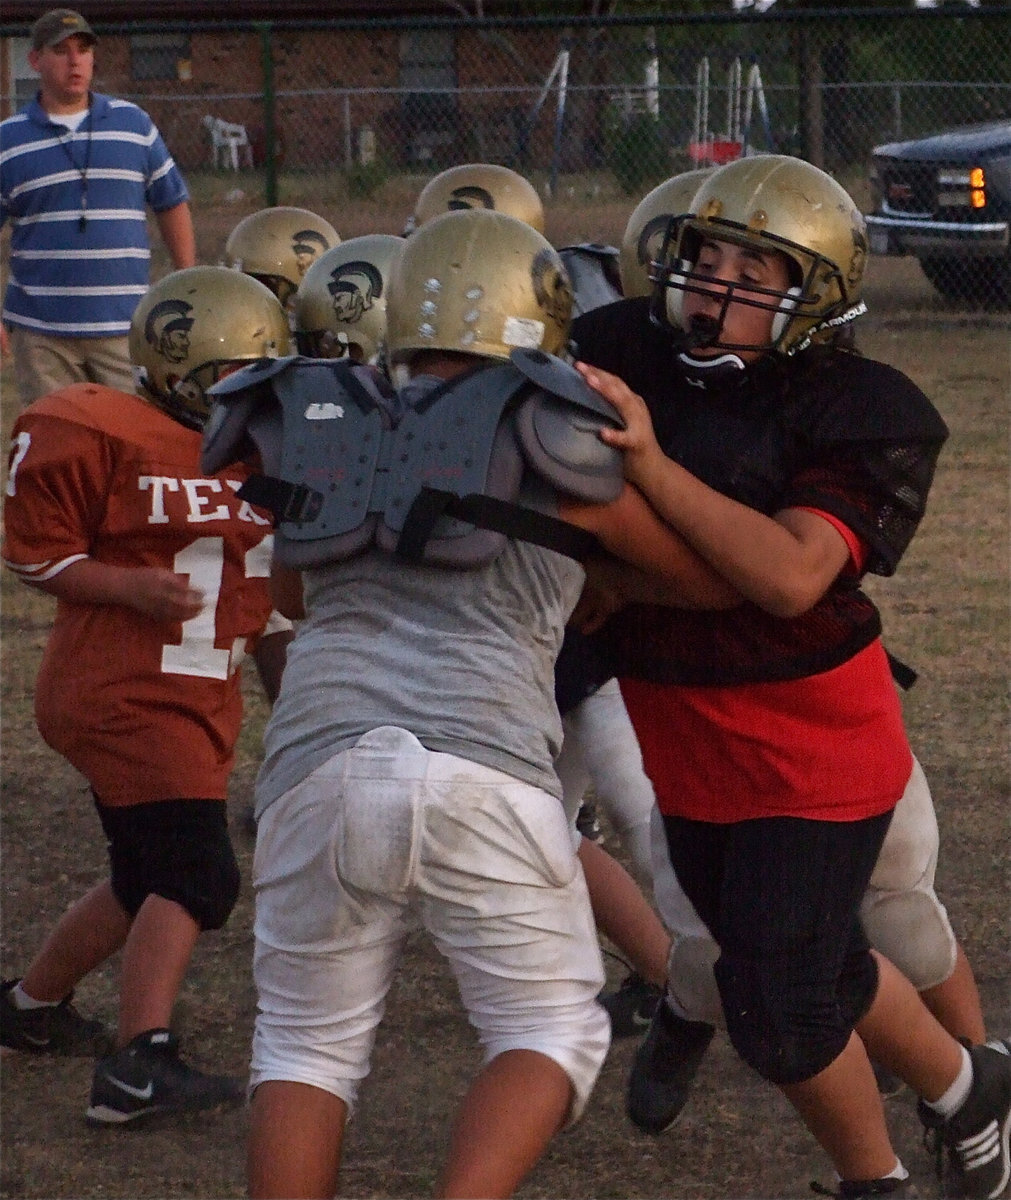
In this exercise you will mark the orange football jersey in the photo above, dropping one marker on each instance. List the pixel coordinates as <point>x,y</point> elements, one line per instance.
<point>145,710</point>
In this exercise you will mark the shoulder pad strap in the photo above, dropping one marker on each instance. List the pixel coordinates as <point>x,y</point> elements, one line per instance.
<point>488,513</point>
<point>590,249</point>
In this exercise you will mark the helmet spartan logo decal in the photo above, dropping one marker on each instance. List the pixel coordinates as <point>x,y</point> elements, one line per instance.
<point>354,286</point>
<point>858,259</point>
<point>167,329</point>
<point>552,286</point>
<point>307,245</point>
<point>469,197</point>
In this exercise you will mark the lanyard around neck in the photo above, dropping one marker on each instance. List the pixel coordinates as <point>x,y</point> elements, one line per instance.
<point>65,142</point>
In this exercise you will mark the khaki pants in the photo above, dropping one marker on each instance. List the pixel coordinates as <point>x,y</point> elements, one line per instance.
<point>42,364</point>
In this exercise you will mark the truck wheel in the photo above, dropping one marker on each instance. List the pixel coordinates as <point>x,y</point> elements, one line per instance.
<point>985,282</point>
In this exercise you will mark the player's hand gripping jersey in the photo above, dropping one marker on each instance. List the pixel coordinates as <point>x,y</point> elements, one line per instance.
<point>146,710</point>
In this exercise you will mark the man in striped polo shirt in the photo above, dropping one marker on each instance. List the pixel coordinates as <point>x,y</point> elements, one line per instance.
<point>78,171</point>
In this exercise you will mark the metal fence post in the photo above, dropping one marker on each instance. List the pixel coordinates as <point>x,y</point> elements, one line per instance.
<point>563,88</point>
<point>269,115</point>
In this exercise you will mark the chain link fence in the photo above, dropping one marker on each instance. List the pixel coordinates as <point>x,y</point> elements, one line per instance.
<point>287,111</point>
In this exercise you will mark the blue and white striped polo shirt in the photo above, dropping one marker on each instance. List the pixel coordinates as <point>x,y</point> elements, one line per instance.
<point>67,280</point>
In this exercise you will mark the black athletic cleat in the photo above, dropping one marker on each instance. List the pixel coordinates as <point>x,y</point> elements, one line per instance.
<point>148,1077</point>
<point>854,1189</point>
<point>55,1029</point>
<point>632,1006</point>
<point>664,1069</point>
<point>977,1136</point>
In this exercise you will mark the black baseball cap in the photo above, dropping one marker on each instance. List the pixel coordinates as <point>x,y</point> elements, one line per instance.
<point>56,25</point>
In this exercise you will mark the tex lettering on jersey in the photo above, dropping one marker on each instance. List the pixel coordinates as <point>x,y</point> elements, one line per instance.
<point>204,500</point>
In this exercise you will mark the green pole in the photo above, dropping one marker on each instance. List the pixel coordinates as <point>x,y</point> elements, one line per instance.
<point>269,115</point>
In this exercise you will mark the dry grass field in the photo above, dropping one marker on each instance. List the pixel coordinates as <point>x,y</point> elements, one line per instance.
<point>946,613</point>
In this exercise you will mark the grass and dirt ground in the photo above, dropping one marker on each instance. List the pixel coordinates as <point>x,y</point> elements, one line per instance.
<point>946,612</point>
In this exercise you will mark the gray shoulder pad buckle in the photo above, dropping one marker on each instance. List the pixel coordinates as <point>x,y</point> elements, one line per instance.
<point>321,434</point>
<point>559,427</point>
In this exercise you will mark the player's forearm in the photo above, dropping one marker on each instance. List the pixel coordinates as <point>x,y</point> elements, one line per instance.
<point>782,563</point>
<point>662,567</point>
<point>269,655</point>
<point>627,584</point>
<point>286,592</point>
<point>176,226</point>
<point>88,581</point>
<point>156,592</point>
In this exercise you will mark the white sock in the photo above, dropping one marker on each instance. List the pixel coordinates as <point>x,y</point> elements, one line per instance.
<point>25,1002</point>
<point>955,1096</point>
<point>897,1172</point>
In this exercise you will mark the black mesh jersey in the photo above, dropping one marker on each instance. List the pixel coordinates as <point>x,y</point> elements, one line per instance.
<point>830,430</point>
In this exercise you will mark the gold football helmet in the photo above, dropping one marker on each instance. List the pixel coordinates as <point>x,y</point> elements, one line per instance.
<point>278,245</point>
<point>477,282</point>
<point>775,202</point>
<point>194,325</point>
<point>647,226</point>
<point>478,185</point>
<point>340,305</point>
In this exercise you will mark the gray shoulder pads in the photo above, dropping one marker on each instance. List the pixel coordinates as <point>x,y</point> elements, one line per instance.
<point>595,275</point>
<point>234,400</point>
<point>558,427</point>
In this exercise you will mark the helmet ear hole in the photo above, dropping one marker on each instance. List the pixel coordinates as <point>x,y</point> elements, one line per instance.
<point>786,310</point>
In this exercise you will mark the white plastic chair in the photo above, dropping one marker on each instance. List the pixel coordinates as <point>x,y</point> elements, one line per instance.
<point>226,142</point>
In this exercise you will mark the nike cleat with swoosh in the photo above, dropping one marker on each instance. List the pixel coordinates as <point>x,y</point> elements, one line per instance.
<point>631,1006</point>
<point>54,1029</point>
<point>147,1077</point>
<point>664,1069</point>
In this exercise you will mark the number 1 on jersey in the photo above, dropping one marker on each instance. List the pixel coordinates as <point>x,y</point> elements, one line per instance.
<point>203,562</point>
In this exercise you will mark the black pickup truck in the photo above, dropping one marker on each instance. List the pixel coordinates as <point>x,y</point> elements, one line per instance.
<point>946,199</point>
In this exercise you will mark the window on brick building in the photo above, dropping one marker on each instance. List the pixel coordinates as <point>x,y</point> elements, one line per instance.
<point>24,79</point>
<point>429,109</point>
<point>158,55</point>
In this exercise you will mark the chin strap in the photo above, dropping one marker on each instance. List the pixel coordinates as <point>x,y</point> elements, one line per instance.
<point>717,372</point>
